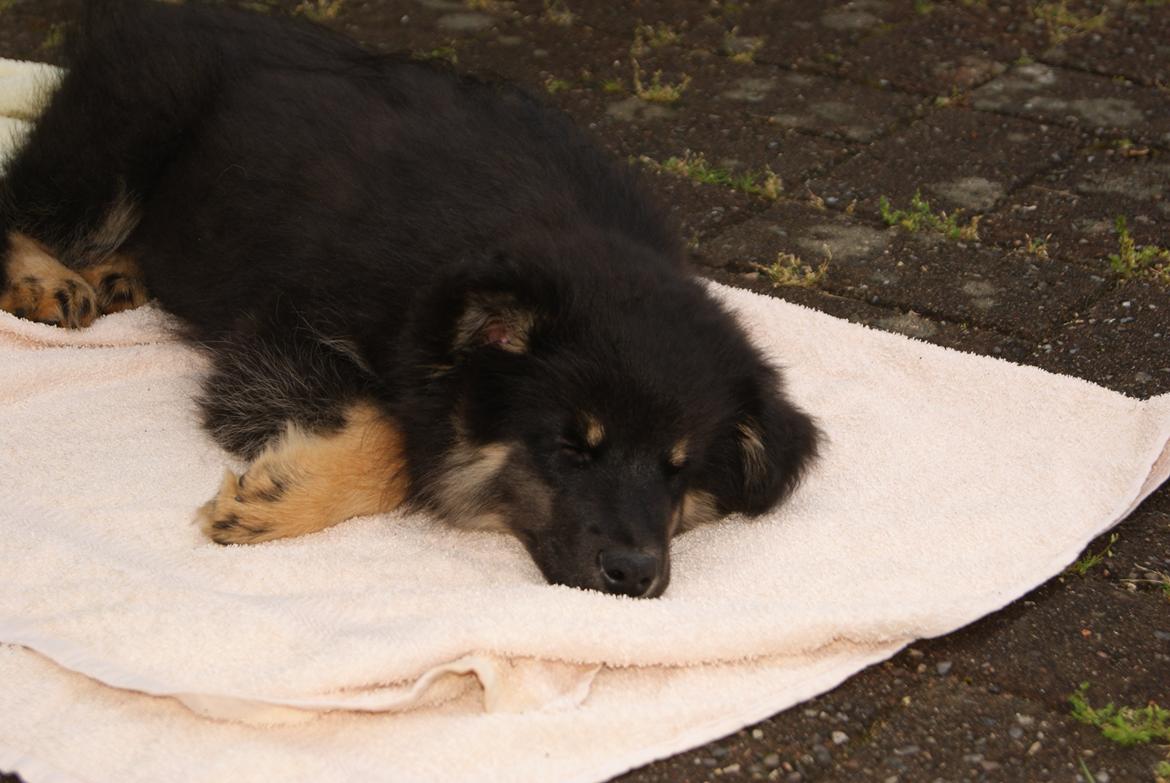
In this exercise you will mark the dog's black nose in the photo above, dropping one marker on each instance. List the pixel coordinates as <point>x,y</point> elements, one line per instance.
<point>629,572</point>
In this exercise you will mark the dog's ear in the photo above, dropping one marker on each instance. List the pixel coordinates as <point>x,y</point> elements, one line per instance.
<point>492,302</point>
<point>760,456</point>
<point>496,319</point>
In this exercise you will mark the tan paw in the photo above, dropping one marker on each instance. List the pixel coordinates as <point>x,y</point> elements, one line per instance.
<point>118,283</point>
<point>305,482</point>
<point>243,511</point>
<point>41,289</point>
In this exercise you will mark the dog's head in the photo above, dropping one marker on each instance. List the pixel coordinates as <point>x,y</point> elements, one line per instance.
<point>594,416</point>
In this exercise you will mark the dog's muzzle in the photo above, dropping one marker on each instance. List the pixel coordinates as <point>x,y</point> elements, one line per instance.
<point>628,571</point>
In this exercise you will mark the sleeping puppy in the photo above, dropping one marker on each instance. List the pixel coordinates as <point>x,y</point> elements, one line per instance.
<point>414,287</point>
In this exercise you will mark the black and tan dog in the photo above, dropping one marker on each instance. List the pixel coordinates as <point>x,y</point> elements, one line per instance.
<point>413,286</point>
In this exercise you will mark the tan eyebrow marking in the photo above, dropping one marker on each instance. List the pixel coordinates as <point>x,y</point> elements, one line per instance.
<point>678,454</point>
<point>594,431</point>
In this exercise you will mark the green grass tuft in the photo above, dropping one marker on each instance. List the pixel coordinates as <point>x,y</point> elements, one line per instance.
<point>1090,561</point>
<point>789,270</point>
<point>445,53</point>
<point>54,38</point>
<point>920,217</point>
<point>552,85</point>
<point>1063,23</point>
<point>657,91</point>
<point>557,12</point>
<point>1123,725</point>
<point>761,184</point>
<point>319,10</point>
<point>647,37</point>
<point>1130,260</point>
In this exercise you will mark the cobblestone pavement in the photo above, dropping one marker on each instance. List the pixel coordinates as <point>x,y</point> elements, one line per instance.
<point>788,135</point>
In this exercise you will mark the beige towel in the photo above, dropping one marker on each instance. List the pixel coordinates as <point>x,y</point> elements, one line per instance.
<point>394,648</point>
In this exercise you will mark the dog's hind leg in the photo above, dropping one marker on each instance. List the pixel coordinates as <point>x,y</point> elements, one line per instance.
<point>117,280</point>
<point>36,286</point>
<point>304,482</point>
<point>130,96</point>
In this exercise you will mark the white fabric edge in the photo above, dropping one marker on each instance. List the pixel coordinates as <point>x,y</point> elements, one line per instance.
<point>36,770</point>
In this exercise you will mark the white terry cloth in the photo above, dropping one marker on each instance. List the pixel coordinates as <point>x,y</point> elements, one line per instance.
<point>393,648</point>
<point>23,85</point>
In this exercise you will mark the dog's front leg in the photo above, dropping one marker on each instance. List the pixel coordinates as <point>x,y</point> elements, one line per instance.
<point>305,482</point>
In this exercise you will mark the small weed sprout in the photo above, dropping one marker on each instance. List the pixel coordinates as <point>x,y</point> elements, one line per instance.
<point>920,217</point>
<point>1123,725</point>
<point>553,85</point>
<point>656,91</point>
<point>764,184</point>
<point>319,10</point>
<point>1090,561</point>
<point>1130,260</point>
<point>789,270</point>
<point>54,38</point>
<point>490,6</point>
<point>957,97</point>
<point>647,37</point>
<point>558,13</point>
<point>1037,247</point>
<point>1063,24</point>
<point>613,86</point>
<point>769,186</point>
<point>446,54</point>
<point>739,48</point>
<point>1130,150</point>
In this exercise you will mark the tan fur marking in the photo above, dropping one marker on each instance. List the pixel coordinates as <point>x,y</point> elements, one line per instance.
<point>304,482</point>
<point>41,289</point>
<point>697,508</point>
<point>594,431</point>
<point>118,283</point>
<point>678,454</point>
<point>467,475</point>
<point>755,460</point>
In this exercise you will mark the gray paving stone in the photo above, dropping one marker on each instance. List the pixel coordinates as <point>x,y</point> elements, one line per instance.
<point>1096,103</point>
<point>1122,341</point>
<point>1135,43</point>
<point>957,158</point>
<point>953,281</point>
<point>1072,210</point>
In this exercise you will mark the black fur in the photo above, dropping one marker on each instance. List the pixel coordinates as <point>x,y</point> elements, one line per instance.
<point>333,225</point>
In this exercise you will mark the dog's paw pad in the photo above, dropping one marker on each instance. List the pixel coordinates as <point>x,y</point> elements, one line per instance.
<point>226,518</point>
<point>57,297</point>
<point>118,283</point>
<point>117,292</point>
<point>40,288</point>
